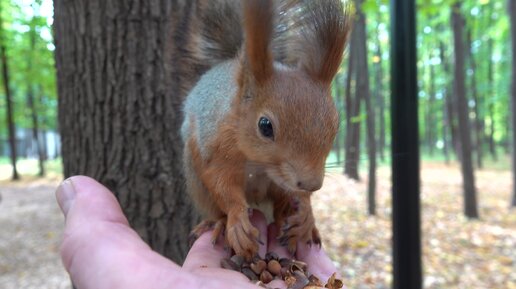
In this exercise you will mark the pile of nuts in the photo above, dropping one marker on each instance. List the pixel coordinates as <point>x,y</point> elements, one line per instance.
<point>293,272</point>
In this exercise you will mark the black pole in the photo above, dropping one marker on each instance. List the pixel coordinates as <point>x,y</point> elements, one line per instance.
<point>405,148</point>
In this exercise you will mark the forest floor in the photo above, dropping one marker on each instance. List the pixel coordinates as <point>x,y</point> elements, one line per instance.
<point>457,253</point>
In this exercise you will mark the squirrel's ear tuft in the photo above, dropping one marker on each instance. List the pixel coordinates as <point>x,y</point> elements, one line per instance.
<point>325,27</point>
<point>258,23</point>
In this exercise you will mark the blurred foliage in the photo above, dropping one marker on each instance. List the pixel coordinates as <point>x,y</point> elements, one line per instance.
<point>487,22</point>
<point>30,48</point>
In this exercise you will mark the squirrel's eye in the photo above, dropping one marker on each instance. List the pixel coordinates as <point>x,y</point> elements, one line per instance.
<point>265,127</point>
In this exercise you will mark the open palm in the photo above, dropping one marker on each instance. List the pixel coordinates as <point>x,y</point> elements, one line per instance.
<point>100,250</point>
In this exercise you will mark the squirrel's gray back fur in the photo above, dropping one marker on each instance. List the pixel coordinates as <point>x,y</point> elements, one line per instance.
<point>208,103</point>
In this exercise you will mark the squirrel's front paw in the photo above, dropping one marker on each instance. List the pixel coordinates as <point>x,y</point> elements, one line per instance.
<point>299,227</point>
<point>241,235</point>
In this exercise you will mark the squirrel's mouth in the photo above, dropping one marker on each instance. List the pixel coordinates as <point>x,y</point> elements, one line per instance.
<point>283,180</point>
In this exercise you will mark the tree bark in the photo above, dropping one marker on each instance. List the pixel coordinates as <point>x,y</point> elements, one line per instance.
<point>430,126</point>
<point>445,116</point>
<point>450,103</point>
<point>470,195</point>
<point>380,97</point>
<point>477,120</point>
<point>352,151</point>
<point>363,92</point>
<point>512,16</point>
<point>491,85</point>
<point>8,99</point>
<point>31,102</point>
<point>122,76</point>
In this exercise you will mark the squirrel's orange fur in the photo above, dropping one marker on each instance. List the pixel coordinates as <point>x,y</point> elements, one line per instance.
<point>229,162</point>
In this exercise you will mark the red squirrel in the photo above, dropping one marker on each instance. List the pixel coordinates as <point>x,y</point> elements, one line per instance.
<point>260,123</point>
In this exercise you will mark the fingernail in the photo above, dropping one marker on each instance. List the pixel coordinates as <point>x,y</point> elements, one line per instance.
<point>65,195</point>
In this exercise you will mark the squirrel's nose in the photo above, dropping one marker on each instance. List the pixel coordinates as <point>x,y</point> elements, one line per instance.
<point>310,185</point>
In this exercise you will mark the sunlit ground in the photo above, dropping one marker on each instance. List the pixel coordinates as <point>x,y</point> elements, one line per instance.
<point>457,253</point>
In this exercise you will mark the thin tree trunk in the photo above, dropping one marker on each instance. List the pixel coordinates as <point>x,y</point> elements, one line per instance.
<point>364,92</point>
<point>490,96</point>
<point>31,102</point>
<point>477,121</point>
<point>379,95</point>
<point>35,130</point>
<point>431,119</point>
<point>123,72</point>
<point>445,116</point>
<point>8,99</point>
<point>450,102</point>
<point>338,100</point>
<point>512,16</point>
<point>352,151</point>
<point>470,195</point>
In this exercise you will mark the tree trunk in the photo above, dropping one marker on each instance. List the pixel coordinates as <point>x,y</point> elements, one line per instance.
<point>491,86</point>
<point>363,92</point>
<point>445,116</point>
<point>352,151</point>
<point>379,96</point>
<point>512,16</point>
<point>430,126</point>
<point>450,102</point>
<point>477,120</point>
<point>8,99</point>
<point>31,101</point>
<point>338,100</point>
<point>122,74</point>
<point>35,130</point>
<point>470,195</point>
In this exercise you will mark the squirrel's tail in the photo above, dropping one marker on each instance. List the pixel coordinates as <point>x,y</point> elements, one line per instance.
<point>307,33</point>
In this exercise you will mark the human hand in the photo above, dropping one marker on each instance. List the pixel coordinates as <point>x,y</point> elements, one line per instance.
<point>100,250</point>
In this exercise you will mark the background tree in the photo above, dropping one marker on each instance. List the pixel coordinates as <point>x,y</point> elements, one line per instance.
<point>8,94</point>
<point>352,143</point>
<point>470,200</point>
<point>31,89</point>
<point>512,13</point>
<point>121,81</point>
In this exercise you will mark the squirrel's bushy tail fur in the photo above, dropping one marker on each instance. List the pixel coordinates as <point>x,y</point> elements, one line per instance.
<point>302,32</point>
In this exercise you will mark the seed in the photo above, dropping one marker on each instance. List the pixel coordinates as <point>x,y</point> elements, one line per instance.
<point>285,262</point>
<point>249,274</point>
<point>284,272</point>
<point>258,267</point>
<point>237,260</point>
<point>301,281</point>
<point>302,265</point>
<point>274,267</point>
<point>266,277</point>
<point>270,256</point>
<point>315,281</point>
<point>228,264</point>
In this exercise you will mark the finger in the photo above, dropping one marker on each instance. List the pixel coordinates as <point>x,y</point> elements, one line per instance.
<point>318,262</point>
<point>100,250</point>
<point>97,203</point>
<point>274,245</point>
<point>204,254</point>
